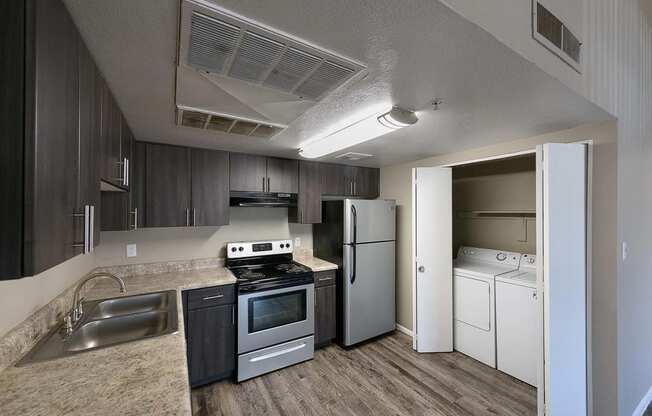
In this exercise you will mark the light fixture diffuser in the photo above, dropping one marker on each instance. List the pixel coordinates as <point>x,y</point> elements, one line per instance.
<point>361,131</point>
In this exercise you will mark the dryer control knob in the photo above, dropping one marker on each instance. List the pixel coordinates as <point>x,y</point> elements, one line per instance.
<point>501,256</point>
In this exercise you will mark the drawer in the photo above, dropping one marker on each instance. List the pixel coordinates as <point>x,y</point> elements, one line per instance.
<point>325,278</point>
<point>272,358</point>
<point>211,296</point>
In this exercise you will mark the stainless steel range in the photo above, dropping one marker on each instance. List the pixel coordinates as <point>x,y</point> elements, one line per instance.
<point>275,306</point>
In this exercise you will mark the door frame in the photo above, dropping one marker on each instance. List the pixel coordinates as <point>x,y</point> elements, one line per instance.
<point>589,247</point>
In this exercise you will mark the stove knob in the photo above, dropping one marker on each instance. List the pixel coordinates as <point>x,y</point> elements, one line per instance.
<point>233,249</point>
<point>241,249</point>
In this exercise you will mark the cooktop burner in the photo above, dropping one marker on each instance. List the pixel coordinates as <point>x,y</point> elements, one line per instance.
<point>269,271</point>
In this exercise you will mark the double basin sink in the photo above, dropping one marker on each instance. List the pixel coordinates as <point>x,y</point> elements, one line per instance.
<point>109,322</point>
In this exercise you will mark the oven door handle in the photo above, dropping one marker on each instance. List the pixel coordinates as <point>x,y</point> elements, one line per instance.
<point>277,353</point>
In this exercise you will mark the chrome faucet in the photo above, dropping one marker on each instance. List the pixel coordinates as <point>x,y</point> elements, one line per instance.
<point>77,310</point>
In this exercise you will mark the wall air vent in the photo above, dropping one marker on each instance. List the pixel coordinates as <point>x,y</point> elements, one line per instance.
<point>556,36</point>
<point>220,43</point>
<point>226,124</point>
<point>353,156</point>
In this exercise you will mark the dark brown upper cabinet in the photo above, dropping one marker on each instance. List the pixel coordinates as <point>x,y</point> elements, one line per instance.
<point>365,182</point>
<point>175,186</point>
<point>210,187</point>
<point>248,173</point>
<point>282,175</point>
<point>167,186</point>
<point>252,173</point>
<point>308,210</point>
<point>333,180</point>
<point>111,121</point>
<point>48,120</point>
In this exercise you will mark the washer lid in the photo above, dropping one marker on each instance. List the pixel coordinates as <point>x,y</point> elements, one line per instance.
<point>482,269</point>
<point>519,277</point>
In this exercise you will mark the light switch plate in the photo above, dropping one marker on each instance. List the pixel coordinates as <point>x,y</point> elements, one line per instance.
<point>131,250</point>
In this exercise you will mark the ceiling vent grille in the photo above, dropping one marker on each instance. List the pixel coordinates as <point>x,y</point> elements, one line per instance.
<point>222,123</point>
<point>353,156</point>
<point>223,44</point>
<point>556,36</point>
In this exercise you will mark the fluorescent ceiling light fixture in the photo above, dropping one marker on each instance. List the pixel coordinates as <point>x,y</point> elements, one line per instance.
<point>361,131</point>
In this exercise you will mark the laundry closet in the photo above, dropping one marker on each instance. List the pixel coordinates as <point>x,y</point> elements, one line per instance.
<point>494,274</point>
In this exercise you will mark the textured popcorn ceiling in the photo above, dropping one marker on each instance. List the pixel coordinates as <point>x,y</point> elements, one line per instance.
<point>414,49</point>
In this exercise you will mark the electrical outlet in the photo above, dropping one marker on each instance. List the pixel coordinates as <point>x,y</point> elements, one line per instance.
<point>297,242</point>
<point>131,250</point>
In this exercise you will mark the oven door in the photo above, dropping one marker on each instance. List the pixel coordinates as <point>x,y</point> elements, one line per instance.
<point>273,316</point>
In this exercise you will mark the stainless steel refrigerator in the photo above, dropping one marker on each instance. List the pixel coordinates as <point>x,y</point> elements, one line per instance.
<point>359,236</point>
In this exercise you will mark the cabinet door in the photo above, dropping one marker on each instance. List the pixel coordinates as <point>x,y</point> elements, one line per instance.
<point>308,209</point>
<point>325,318</point>
<point>211,343</point>
<point>210,187</point>
<point>248,173</point>
<point>115,211</point>
<point>111,122</point>
<point>332,179</point>
<point>51,143</point>
<point>126,151</point>
<point>366,182</point>
<point>137,180</point>
<point>89,147</point>
<point>282,175</point>
<point>167,186</point>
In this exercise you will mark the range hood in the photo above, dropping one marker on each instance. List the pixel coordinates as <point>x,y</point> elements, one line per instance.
<point>262,199</point>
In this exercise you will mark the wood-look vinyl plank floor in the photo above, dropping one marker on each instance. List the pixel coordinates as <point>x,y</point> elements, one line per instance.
<point>382,377</point>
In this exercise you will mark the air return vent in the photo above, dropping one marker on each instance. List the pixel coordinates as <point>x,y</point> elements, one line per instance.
<point>205,121</point>
<point>223,44</point>
<point>555,35</point>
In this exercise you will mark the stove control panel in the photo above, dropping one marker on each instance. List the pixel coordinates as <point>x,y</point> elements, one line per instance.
<point>257,248</point>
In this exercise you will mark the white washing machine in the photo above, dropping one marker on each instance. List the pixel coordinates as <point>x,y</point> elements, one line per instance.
<point>517,323</point>
<point>474,274</point>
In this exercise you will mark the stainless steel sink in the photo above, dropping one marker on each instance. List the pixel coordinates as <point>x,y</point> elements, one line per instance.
<point>129,305</point>
<point>111,322</point>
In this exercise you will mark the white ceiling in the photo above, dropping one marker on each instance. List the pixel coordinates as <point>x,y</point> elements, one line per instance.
<point>415,50</point>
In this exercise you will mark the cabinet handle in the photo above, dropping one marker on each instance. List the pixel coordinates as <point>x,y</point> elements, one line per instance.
<point>91,228</point>
<point>126,172</point>
<point>213,297</point>
<point>194,217</point>
<point>187,217</point>
<point>135,214</point>
<point>233,314</point>
<point>323,279</point>
<point>89,220</point>
<point>355,186</point>
<point>268,188</point>
<point>263,184</point>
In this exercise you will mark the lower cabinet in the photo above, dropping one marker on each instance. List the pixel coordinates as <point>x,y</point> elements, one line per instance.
<point>325,308</point>
<point>210,316</point>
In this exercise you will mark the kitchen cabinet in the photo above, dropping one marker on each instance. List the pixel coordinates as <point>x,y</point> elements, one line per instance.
<point>210,333</point>
<point>282,175</point>
<point>89,146</point>
<point>248,173</point>
<point>332,179</point>
<point>167,186</point>
<point>252,173</point>
<point>308,209</point>
<point>361,182</point>
<point>325,308</point>
<point>111,125</point>
<point>210,187</point>
<point>126,151</point>
<point>39,109</point>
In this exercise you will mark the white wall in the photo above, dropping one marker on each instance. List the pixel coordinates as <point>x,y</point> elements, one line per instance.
<point>21,298</point>
<point>165,244</point>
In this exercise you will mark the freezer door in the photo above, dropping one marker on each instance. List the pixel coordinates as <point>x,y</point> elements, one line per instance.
<point>369,302</point>
<point>370,220</point>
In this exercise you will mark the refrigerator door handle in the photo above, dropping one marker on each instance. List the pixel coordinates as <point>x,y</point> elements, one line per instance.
<point>354,216</point>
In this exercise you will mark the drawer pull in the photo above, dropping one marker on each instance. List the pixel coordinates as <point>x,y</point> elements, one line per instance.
<point>323,279</point>
<point>213,297</point>
<point>277,353</point>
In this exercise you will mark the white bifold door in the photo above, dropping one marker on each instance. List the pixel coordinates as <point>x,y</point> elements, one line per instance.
<point>432,224</point>
<point>561,278</point>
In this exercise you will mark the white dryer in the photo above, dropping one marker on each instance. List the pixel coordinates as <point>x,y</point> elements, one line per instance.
<point>474,274</point>
<point>517,322</point>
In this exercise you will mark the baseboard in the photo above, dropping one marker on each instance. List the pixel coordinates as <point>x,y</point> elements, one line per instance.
<point>643,404</point>
<point>401,328</point>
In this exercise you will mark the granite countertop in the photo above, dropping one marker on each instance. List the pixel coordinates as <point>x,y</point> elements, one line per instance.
<point>147,377</point>
<point>314,263</point>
